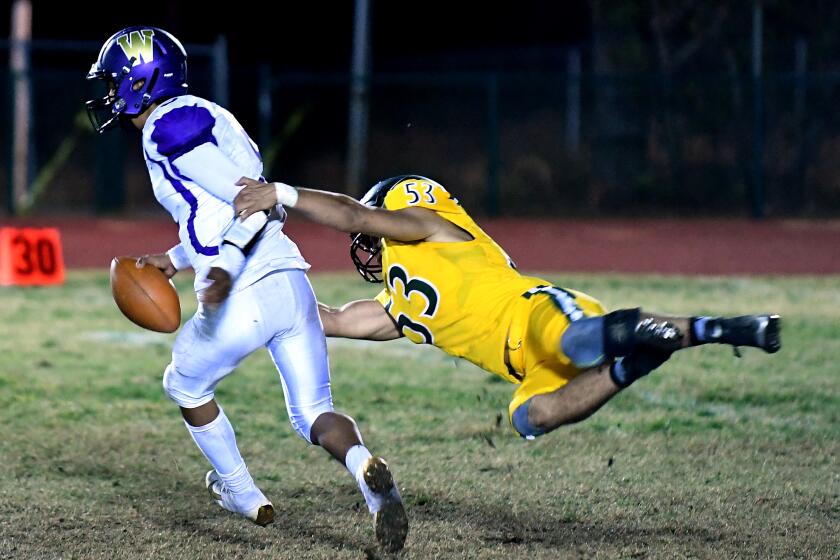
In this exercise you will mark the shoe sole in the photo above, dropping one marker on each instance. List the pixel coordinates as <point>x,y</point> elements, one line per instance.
<point>265,515</point>
<point>390,522</point>
<point>772,335</point>
<point>391,526</point>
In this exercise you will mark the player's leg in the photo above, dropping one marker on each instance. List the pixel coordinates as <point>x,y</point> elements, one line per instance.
<point>573,402</point>
<point>756,331</point>
<point>208,348</point>
<point>550,398</point>
<point>598,354</point>
<point>338,434</point>
<point>590,341</point>
<point>590,337</point>
<point>300,354</point>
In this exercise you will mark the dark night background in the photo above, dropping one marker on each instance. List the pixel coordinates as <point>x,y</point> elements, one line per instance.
<point>318,35</point>
<point>665,117</point>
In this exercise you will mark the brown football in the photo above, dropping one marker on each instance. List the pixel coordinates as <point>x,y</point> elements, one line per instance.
<point>145,295</point>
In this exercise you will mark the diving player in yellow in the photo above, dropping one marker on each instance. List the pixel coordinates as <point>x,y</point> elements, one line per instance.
<point>447,283</point>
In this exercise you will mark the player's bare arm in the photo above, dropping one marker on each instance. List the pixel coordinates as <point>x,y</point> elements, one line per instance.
<point>347,214</point>
<point>363,319</point>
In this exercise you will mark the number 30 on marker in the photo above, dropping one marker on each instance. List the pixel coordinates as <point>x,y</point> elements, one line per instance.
<point>30,257</point>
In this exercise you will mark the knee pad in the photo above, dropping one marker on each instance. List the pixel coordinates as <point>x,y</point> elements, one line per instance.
<point>302,417</point>
<point>519,420</point>
<point>620,332</point>
<point>187,392</point>
<point>583,342</point>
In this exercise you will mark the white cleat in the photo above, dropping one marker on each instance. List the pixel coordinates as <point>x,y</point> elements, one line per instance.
<point>389,521</point>
<point>257,507</point>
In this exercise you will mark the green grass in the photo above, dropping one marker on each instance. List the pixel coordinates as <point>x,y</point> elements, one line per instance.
<point>710,457</point>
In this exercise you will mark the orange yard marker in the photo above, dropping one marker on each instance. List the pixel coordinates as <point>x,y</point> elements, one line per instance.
<point>30,257</point>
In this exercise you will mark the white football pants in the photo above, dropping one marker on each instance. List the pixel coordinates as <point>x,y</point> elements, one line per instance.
<point>279,312</point>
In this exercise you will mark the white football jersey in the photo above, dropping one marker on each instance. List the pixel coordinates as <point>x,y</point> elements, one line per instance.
<point>195,151</point>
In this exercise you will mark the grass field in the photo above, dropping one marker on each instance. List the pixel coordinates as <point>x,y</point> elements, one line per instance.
<point>710,457</point>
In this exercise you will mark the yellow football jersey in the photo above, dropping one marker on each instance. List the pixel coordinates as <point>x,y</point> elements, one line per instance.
<point>458,296</point>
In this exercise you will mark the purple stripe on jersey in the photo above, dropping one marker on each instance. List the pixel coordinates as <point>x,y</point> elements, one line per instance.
<point>193,203</point>
<point>182,129</point>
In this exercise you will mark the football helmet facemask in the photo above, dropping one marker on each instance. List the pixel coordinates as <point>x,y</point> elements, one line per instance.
<point>366,250</point>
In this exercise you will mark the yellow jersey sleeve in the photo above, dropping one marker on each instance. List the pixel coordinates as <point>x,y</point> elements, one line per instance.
<point>423,193</point>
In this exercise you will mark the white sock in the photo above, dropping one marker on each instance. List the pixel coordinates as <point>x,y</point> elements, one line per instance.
<point>355,458</point>
<point>218,443</point>
<point>240,481</point>
<point>354,461</point>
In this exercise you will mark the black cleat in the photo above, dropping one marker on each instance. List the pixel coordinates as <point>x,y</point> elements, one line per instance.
<point>661,336</point>
<point>637,364</point>
<point>755,331</point>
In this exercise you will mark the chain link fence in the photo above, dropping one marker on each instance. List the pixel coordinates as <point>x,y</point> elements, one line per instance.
<point>548,143</point>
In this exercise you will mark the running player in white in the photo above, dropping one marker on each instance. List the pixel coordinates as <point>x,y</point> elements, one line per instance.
<point>250,278</point>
